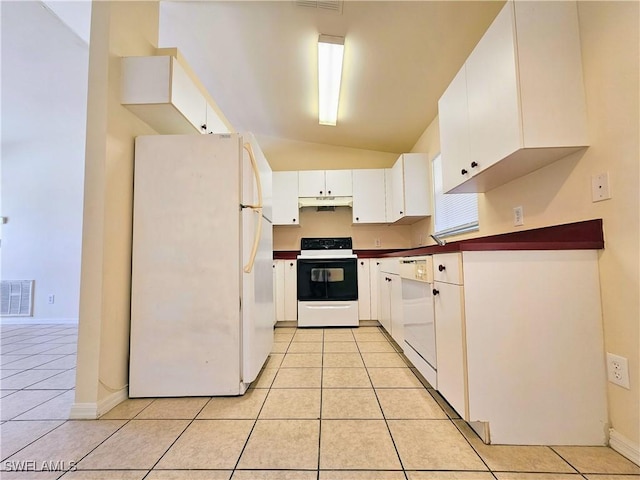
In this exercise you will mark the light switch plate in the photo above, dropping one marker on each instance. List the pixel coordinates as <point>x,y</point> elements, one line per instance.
<point>600,187</point>
<point>518,216</point>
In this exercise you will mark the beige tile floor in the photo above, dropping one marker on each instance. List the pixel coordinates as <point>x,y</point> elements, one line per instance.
<point>330,404</point>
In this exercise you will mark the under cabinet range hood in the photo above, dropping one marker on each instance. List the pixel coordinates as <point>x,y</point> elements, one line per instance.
<point>325,202</point>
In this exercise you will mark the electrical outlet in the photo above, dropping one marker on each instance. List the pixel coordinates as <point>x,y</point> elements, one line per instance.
<point>618,370</point>
<point>377,242</point>
<point>518,216</point>
<point>600,187</point>
<point>51,299</point>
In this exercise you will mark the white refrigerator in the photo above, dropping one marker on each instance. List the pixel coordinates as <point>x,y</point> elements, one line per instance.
<point>202,310</point>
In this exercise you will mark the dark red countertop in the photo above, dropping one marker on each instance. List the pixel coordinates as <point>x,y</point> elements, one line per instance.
<point>585,235</point>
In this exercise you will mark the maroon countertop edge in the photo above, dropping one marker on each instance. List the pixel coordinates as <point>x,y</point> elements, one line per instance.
<point>585,235</point>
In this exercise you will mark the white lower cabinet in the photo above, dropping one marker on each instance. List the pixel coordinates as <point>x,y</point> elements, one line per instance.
<point>519,344</point>
<point>448,300</point>
<point>390,299</point>
<point>286,290</point>
<point>374,277</point>
<point>364,289</point>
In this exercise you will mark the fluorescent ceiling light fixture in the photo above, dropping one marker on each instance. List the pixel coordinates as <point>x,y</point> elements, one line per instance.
<point>330,54</point>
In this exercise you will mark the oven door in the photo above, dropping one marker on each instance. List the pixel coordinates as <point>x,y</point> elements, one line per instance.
<point>327,279</point>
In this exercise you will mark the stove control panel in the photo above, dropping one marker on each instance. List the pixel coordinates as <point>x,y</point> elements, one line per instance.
<point>337,243</point>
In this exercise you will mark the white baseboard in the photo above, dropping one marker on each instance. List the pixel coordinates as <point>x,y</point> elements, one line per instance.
<point>37,321</point>
<point>624,446</point>
<point>91,411</point>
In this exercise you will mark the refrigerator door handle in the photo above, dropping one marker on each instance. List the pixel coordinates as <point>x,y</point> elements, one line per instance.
<point>256,173</point>
<point>256,241</point>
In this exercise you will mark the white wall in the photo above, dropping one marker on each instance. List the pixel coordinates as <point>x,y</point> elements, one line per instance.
<point>44,93</point>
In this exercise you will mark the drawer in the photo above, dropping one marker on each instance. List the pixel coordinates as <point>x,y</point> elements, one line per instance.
<point>447,268</point>
<point>390,265</point>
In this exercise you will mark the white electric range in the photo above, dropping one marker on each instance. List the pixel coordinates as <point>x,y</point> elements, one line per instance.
<point>327,283</point>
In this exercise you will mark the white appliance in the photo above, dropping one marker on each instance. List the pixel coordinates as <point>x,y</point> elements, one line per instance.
<point>418,313</point>
<point>327,280</point>
<point>202,310</point>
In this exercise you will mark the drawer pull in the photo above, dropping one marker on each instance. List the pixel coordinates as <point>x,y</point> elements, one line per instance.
<point>441,268</point>
<point>474,164</point>
<point>463,171</point>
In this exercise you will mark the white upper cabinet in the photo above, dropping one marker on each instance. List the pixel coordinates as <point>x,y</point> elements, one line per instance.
<point>285,198</point>
<point>410,188</point>
<point>160,91</point>
<point>324,183</point>
<point>525,99</point>
<point>454,132</point>
<point>214,123</point>
<point>369,200</point>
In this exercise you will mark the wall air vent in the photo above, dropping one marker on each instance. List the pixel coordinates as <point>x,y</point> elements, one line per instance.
<point>334,6</point>
<point>16,298</point>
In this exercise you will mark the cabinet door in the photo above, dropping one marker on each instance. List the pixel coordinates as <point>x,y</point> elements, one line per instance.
<point>187,98</point>
<point>311,183</point>
<point>453,116</point>
<point>290,290</point>
<point>338,183</point>
<point>369,204</point>
<point>364,295</point>
<point>285,198</point>
<point>450,347</point>
<point>397,316</point>
<point>388,194</point>
<point>278,287</point>
<point>374,277</point>
<point>397,190</point>
<point>384,301</point>
<point>416,181</point>
<point>494,109</point>
<point>214,122</point>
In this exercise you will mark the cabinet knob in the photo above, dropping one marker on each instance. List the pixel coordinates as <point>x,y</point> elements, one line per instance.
<point>294,220</point>
<point>320,192</point>
<point>273,266</point>
<point>291,264</point>
<point>203,126</point>
<point>474,164</point>
<point>435,292</point>
<point>377,263</point>
<point>441,268</point>
<point>357,219</point>
<point>361,263</point>
<point>463,171</point>
<point>329,192</point>
<point>401,212</point>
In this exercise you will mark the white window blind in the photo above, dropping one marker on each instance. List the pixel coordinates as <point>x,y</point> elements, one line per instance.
<point>454,212</point>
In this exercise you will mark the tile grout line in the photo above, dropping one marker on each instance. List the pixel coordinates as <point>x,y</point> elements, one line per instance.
<point>320,417</point>
<point>255,422</point>
<point>176,439</point>
<point>384,417</point>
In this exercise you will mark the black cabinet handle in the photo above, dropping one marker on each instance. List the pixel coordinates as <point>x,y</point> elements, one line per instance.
<point>320,192</point>
<point>361,263</point>
<point>377,263</point>
<point>329,192</point>
<point>273,266</point>
<point>474,164</point>
<point>401,212</point>
<point>463,171</point>
<point>436,292</point>
<point>294,220</point>
<point>203,126</point>
<point>357,219</point>
<point>441,268</point>
<point>291,264</point>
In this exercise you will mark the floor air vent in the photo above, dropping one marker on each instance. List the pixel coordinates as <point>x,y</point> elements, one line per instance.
<point>16,299</point>
<point>327,5</point>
